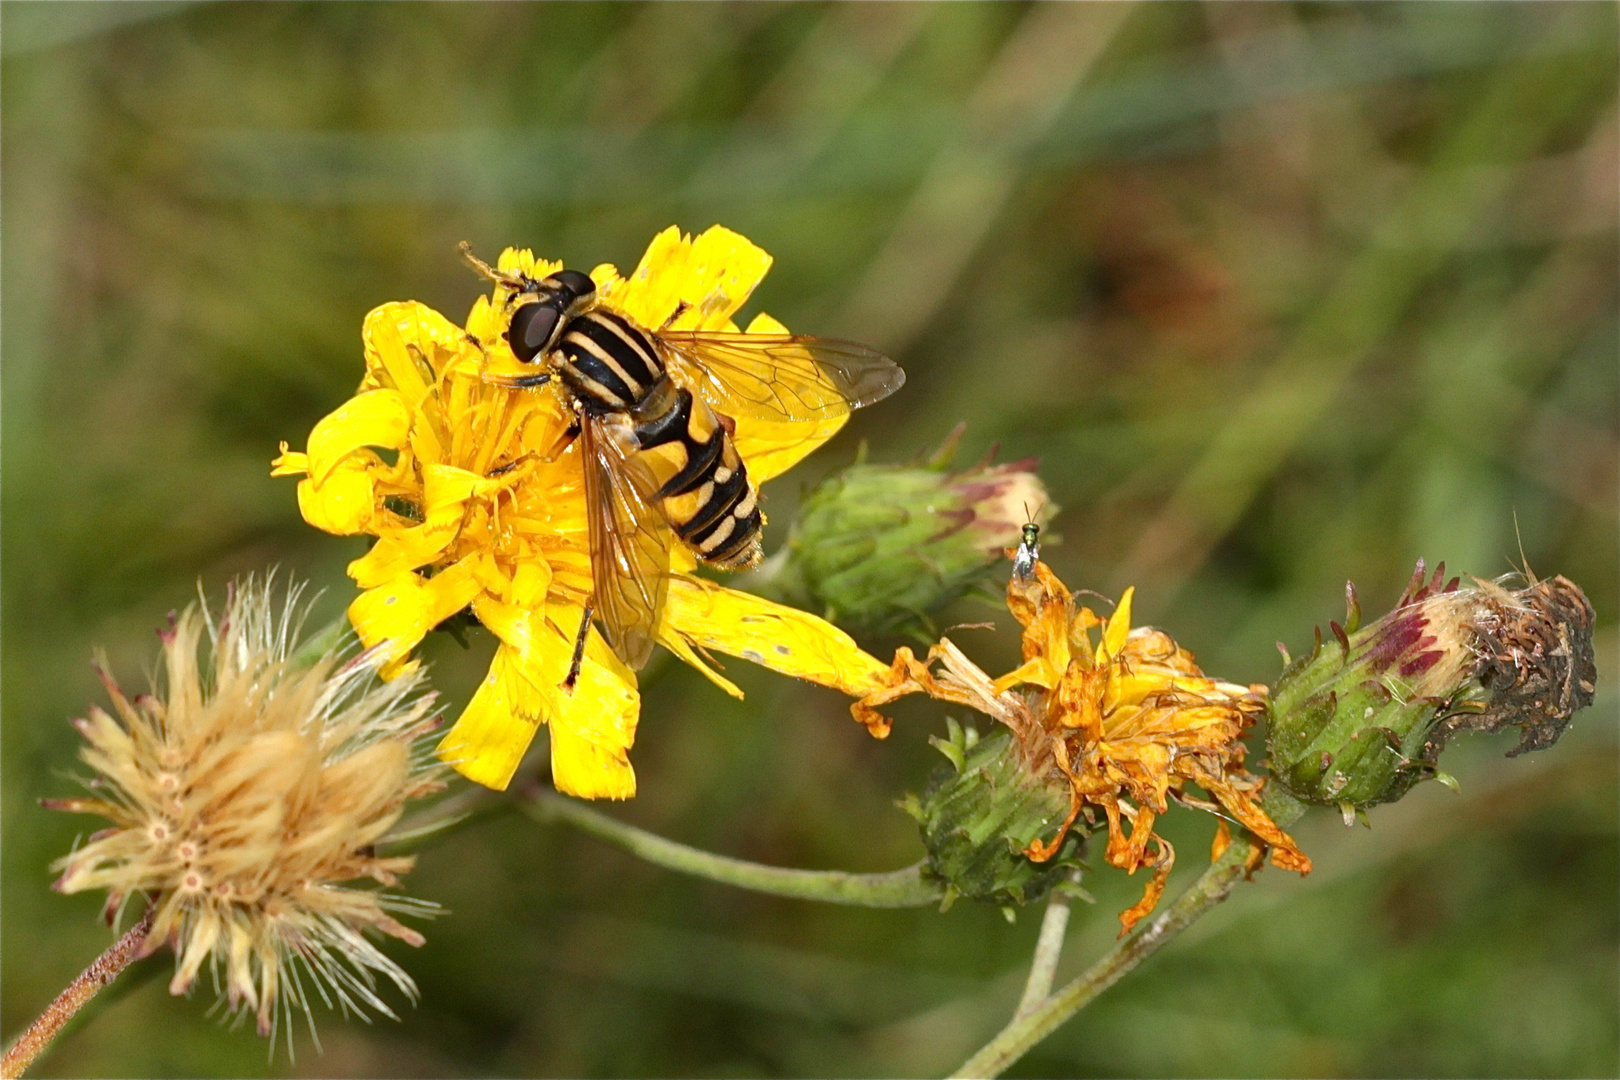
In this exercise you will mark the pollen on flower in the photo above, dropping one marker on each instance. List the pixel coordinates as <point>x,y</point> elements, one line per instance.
<point>1121,718</point>
<point>247,794</point>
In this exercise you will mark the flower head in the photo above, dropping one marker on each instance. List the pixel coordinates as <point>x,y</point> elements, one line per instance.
<point>480,503</point>
<point>243,794</point>
<point>1121,718</point>
<point>1357,723</point>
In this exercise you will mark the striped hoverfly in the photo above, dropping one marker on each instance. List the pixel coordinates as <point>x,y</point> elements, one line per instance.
<point>655,412</point>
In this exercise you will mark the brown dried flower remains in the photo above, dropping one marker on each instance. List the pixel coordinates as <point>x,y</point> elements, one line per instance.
<point>244,793</point>
<point>1124,718</point>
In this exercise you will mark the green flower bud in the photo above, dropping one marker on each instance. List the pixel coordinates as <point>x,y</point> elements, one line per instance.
<point>1357,723</point>
<point>980,815</point>
<point>880,548</point>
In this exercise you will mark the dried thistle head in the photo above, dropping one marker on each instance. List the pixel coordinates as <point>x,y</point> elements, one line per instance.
<point>244,793</point>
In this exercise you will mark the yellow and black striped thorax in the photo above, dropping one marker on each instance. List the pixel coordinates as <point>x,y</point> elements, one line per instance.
<point>607,361</point>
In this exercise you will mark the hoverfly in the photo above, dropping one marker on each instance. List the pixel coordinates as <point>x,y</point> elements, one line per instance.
<point>654,409</point>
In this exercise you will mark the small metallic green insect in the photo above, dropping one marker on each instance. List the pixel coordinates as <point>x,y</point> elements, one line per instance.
<point>1029,551</point>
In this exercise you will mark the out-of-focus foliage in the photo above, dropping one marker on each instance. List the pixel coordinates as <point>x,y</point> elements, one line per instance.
<point>1282,294</point>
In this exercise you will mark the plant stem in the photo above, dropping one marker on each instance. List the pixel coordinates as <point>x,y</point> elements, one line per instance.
<point>1048,948</point>
<point>1028,1028</point>
<point>106,968</point>
<point>895,889</point>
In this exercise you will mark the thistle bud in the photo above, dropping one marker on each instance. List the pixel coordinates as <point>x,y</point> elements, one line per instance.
<point>982,813</point>
<point>880,548</point>
<point>1363,718</point>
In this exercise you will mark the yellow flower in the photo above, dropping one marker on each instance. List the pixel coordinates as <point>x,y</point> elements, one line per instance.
<point>475,493</point>
<point>1124,718</point>
<point>243,795</point>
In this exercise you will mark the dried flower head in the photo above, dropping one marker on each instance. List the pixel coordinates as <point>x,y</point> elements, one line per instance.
<point>480,505</point>
<point>1358,723</point>
<point>244,792</point>
<point>1122,719</point>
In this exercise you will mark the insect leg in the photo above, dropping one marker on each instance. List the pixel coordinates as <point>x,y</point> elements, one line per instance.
<point>579,652</point>
<point>680,309</point>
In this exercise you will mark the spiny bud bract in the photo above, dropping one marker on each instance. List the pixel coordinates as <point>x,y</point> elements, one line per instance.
<point>880,548</point>
<point>1364,717</point>
<point>980,815</point>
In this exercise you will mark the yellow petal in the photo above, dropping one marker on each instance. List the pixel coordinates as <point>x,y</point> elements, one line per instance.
<point>530,581</point>
<point>713,275</point>
<point>346,502</point>
<point>398,613</point>
<point>781,638</point>
<point>445,492</point>
<point>651,293</point>
<point>522,261</point>
<point>1119,628</point>
<point>375,418</point>
<point>289,463</point>
<point>584,769</point>
<point>723,268</point>
<point>594,725</point>
<point>487,742</point>
<point>408,346</point>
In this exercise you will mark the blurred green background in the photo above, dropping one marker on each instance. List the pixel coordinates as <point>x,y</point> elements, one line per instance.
<point>1280,293</point>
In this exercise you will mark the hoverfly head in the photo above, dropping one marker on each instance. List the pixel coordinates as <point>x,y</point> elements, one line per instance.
<point>537,325</point>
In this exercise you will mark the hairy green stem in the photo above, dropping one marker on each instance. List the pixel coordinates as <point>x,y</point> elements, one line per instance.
<point>1028,1028</point>
<point>1048,949</point>
<point>895,889</point>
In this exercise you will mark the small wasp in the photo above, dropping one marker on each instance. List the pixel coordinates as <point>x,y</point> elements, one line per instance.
<point>655,410</point>
<point>1029,550</point>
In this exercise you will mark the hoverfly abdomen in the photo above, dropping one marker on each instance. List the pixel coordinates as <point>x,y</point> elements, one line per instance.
<point>686,449</point>
<point>703,489</point>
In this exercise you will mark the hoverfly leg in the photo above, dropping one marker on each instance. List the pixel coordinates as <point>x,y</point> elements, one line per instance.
<point>574,665</point>
<point>518,283</point>
<point>502,470</point>
<point>680,309</point>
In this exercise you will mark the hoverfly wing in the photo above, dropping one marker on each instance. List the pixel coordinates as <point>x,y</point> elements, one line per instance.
<point>780,377</point>
<point>629,544</point>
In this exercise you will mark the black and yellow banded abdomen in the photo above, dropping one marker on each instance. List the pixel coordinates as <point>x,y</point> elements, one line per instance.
<point>703,490</point>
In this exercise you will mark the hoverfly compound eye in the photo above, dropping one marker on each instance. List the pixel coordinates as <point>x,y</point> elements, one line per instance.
<point>533,327</point>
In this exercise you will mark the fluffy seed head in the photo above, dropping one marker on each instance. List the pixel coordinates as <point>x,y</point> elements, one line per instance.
<point>244,792</point>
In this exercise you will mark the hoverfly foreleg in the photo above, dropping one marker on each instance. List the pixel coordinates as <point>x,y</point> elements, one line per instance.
<point>579,652</point>
<point>518,283</point>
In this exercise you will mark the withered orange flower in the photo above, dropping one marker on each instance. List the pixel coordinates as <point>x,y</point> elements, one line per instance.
<point>1124,717</point>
